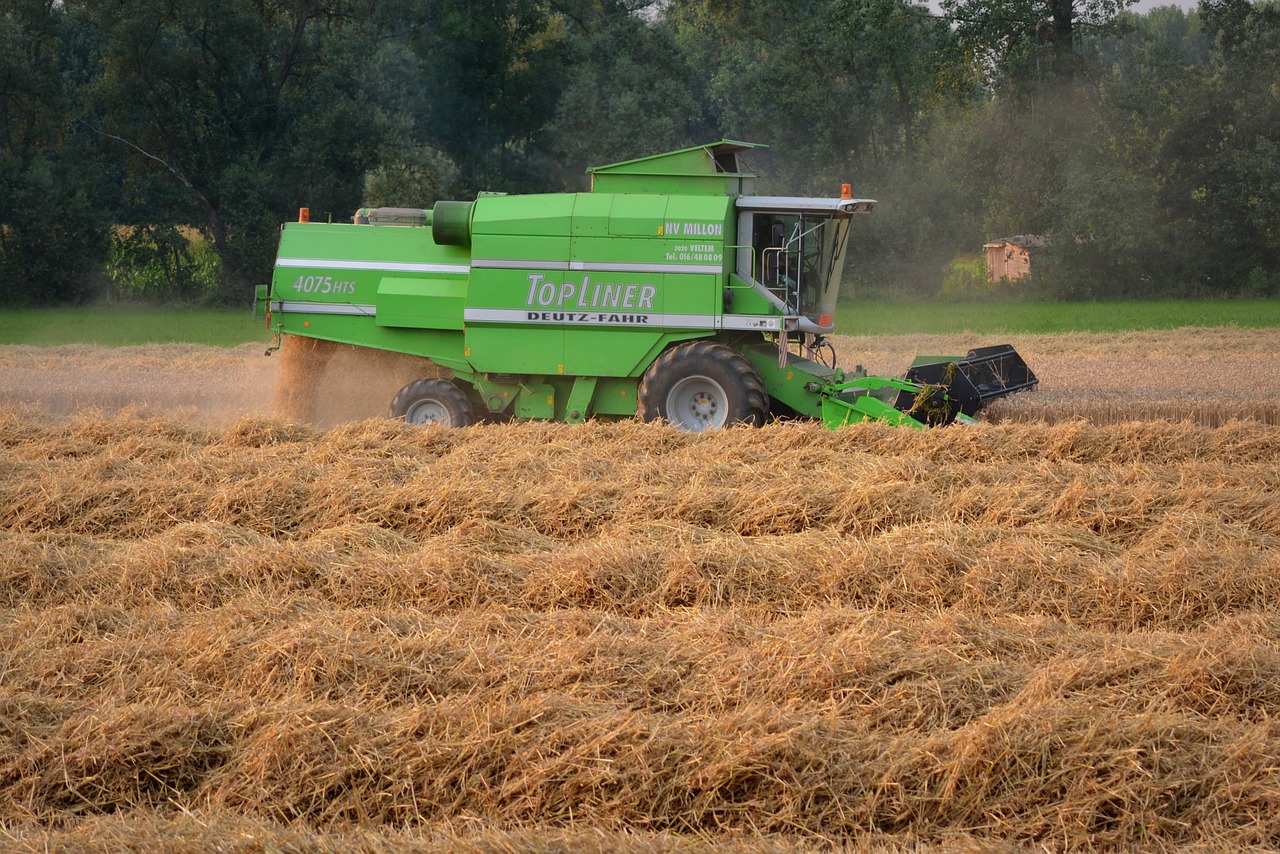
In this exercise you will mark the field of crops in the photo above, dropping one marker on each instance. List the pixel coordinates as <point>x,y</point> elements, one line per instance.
<point>220,629</point>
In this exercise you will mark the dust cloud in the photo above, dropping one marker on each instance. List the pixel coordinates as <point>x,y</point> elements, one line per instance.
<point>1209,376</point>
<point>324,383</point>
<point>315,382</point>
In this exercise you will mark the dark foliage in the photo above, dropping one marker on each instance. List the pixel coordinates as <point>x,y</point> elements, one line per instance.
<point>1145,148</point>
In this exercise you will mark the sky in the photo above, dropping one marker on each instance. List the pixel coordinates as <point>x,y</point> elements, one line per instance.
<point>1148,5</point>
<point>1140,6</point>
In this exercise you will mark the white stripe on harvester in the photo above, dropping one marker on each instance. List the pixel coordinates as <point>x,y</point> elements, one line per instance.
<point>286,306</point>
<point>594,266</point>
<point>382,266</point>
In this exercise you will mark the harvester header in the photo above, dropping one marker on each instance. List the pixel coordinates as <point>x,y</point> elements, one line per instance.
<point>669,291</point>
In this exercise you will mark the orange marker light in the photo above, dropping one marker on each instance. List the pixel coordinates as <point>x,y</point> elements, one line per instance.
<point>827,320</point>
<point>846,191</point>
<point>304,214</point>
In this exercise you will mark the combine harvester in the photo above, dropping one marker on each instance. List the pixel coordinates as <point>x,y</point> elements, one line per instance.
<point>669,291</point>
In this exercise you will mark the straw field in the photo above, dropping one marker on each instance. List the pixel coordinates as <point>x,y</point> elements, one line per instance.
<point>1207,376</point>
<point>221,629</point>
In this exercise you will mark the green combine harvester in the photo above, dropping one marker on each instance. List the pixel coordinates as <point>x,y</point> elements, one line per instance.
<point>669,291</point>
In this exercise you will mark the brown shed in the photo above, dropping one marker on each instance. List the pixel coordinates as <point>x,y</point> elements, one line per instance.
<point>1010,257</point>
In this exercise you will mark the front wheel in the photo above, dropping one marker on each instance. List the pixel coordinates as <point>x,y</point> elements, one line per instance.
<point>701,385</point>
<point>433,401</point>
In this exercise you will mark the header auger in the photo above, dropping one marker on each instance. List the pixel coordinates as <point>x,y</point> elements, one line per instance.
<point>669,291</point>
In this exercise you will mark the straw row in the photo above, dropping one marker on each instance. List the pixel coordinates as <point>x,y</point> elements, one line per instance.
<point>821,725</point>
<point>621,637</point>
<point>1188,568</point>
<point>133,478</point>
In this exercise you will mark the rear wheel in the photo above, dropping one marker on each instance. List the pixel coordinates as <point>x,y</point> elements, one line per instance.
<point>433,401</point>
<point>701,385</point>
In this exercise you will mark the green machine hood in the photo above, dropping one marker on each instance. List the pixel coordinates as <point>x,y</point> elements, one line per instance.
<point>711,170</point>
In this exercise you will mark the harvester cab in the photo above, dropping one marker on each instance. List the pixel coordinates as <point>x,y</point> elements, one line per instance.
<point>796,255</point>
<point>669,291</point>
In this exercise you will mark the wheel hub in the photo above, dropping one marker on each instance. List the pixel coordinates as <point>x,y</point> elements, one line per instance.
<point>703,407</point>
<point>428,412</point>
<point>697,403</point>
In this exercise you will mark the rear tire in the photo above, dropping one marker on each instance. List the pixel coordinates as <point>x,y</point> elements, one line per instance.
<point>701,385</point>
<point>433,401</point>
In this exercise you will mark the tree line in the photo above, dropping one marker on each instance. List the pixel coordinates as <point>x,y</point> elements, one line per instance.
<point>151,148</point>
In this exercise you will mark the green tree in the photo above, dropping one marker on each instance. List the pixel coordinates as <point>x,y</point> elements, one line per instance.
<point>230,114</point>
<point>906,63</point>
<point>53,236</point>
<point>1150,78</point>
<point>1191,111</point>
<point>630,95</point>
<point>412,176</point>
<point>861,91</point>
<point>1235,136</point>
<point>491,71</point>
<point>1030,40</point>
<point>839,88</point>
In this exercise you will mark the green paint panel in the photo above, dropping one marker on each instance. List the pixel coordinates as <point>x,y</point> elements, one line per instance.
<point>701,170</point>
<point>610,352</point>
<point>503,348</point>
<point>606,306</point>
<point>615,397</point>
<point>514,248</point>
<point>546,214</point>
<point>440,346</point>
<point>536,401</point>
<point>376,243</point>
<point>591,215</point>
<point>743,299</point>
<point>790,384</point>
<point>578,403</point>
<point>421,303</point>
<point>650,251</point>
<point>637,216</point>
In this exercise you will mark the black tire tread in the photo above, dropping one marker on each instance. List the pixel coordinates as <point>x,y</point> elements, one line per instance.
<point>673,361</point>
<point>452,396</point>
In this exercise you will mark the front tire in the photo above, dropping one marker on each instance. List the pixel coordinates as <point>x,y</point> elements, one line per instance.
<point>433,401</point>
<point>701,385</point>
